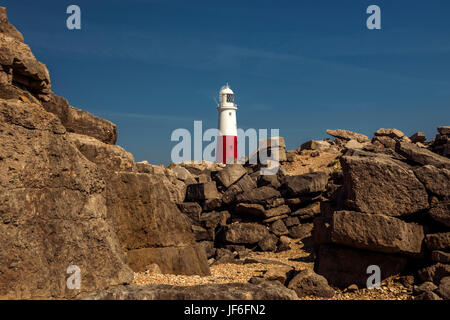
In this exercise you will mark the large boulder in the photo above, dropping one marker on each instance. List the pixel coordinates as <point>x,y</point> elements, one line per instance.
<point>53,210</point>
<point>343,266</point>
<point>202,191</point>
<point>149,225</point>
<point>376,232</point>
<point>380,184</point>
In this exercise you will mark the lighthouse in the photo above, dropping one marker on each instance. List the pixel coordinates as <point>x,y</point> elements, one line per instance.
<point>226,151</point>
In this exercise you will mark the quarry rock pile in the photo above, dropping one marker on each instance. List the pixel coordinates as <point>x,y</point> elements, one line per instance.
<point>390,210</point>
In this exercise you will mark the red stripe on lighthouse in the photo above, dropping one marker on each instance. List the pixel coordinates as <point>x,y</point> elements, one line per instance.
<point>226,151</point>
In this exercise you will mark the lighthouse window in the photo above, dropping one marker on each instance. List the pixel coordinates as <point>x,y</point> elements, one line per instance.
<point>229,113</point>
<point>229,98</point>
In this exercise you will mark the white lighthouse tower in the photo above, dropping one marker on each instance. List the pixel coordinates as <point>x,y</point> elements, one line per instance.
<point>226,151</point>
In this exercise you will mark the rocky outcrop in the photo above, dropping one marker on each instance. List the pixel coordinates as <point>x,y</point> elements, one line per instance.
<point>53,210</point>
<point>69,196</point>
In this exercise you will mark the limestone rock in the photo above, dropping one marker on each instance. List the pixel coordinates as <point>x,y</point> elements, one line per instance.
<point>424,287</point>
<point>259,195</point>
<point>440,256</point>
<point>418,137</point>
<point>392,133</point>
<point>343,266</point>
<point>246,183</point>
<point>230,174</point>
<point>421,156</point>
<point>105,156</point>
<point>278,228</point>
<point>245,233</point>
<point>269,243</point>
<point>382,185</point>
<point>250,209</point>
<point>435,180</point>
<point>348,135</point>
<point>444,288</point>
<point>438,241</point>
<point>149,225</point>
<point>7,28</point>
<point>277,211</point>
<point>376,232</point>
<point>306,183</point>
<point>434,273</point>
<point>315,145</point>
<point>308,283</point>
<point>80,121</point>
<point>441,213</point>
<point>300,231</point>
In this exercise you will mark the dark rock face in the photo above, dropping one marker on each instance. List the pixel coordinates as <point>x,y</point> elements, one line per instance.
<point>343,266</point>
<point>268,290</point>
<point>202,191</point>
<point>382,185</point>
<point>438,241</point>
<point>441,213</point>
<point>251,209</point>
<point>309,283</point>
<point>259,195</point>
<point>434,273</point>
<point>376,232</point>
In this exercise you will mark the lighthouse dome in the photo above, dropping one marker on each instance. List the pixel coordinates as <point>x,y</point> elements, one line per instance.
<point>226,90</point>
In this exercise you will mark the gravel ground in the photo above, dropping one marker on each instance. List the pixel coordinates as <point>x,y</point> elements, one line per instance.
<point>297,257</point>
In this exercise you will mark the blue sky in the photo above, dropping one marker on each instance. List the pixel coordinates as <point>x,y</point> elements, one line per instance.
<point>152,66</point>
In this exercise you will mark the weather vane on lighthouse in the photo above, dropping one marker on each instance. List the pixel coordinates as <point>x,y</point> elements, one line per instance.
<point>226,151</point>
